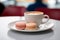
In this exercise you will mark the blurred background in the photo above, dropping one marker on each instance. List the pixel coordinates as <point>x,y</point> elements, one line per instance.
<point>26,3</point>
<point>18,7</point>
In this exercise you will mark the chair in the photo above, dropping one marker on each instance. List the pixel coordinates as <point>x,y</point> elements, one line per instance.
<point>53,13</point>
<point>14,11</point>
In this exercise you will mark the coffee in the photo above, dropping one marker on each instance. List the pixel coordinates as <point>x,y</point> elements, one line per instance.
<point>35,16</point>
<point>34,13</point>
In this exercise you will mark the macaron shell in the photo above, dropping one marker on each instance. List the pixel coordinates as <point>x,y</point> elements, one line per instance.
<point>20,25</point>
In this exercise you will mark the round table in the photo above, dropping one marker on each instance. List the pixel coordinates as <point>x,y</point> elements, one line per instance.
<point>7,34</point>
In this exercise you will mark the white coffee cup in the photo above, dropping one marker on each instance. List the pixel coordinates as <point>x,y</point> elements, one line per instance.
<point>35,16</point>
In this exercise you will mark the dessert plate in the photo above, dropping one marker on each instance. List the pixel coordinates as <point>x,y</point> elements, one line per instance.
<point>42,27</point>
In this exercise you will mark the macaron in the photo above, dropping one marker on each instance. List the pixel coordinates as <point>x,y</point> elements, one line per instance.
<point>20,25</point>
<point>31,26</point>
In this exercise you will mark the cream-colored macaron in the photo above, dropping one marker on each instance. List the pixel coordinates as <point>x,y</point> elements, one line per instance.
<point>31,26</point>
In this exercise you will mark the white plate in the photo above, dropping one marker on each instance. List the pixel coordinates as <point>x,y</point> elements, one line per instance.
<point>42,27</point>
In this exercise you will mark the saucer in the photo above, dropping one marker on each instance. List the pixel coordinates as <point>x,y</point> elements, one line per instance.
<point>42,27</point>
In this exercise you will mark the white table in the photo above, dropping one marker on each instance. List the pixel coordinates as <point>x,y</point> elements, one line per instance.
<point>7,34</point>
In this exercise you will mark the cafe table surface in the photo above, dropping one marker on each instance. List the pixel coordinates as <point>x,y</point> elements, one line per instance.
<point>7,34</point>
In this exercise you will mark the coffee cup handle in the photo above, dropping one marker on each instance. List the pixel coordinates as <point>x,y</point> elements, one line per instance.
<point>46,20</point>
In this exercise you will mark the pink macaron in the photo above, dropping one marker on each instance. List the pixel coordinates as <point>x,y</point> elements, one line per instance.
<point>20,25</point>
